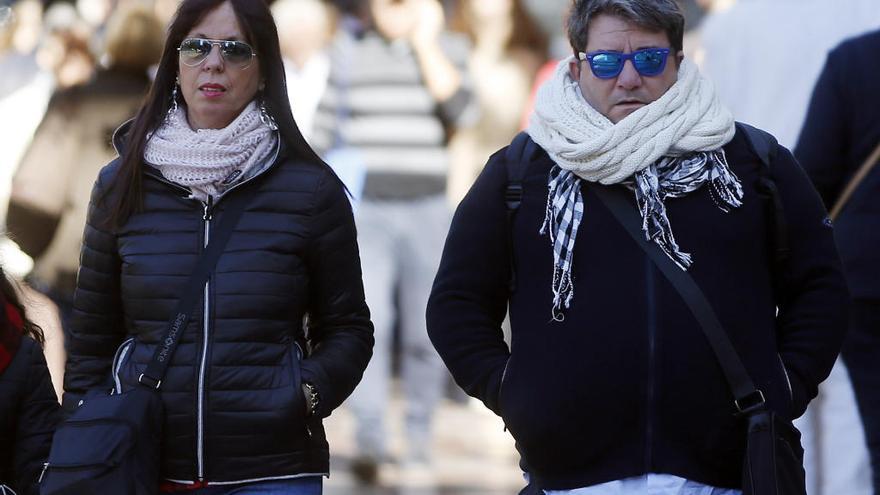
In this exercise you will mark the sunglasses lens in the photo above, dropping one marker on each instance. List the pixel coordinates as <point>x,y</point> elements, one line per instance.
<point>237,53</point>
<point>649,62</point>
<point>194,51</point>
<point>606,65</point>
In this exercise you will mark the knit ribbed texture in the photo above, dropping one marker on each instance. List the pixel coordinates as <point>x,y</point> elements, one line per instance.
<point>687,118</point>
<point>209,161</point>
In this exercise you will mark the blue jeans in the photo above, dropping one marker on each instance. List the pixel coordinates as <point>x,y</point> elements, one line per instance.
<point>298,486</point>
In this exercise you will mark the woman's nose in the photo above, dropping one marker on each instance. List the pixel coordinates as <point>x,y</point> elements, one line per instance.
<point>214,61</point>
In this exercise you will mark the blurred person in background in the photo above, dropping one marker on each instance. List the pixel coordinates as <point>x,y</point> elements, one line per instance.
<point>609,385</point>
<point>29,409</point>
<point>508,49</point>
<point>281,334</point>
<point>306,29</point>
<point>66,46</point>
<point>395,88</point>
<point>51,189</point>
<point>841,132</point>
<point>25,89</point>
<point>20,29</point>
<point>557,49</point>
<point>165,10</point>
<point>748,54</point>
<point>95,14</point>
<point>743,38</point>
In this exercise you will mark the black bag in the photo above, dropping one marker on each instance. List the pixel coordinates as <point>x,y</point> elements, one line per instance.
<point>111,444</point>
<point>774,462</point>
<point>774,458</point>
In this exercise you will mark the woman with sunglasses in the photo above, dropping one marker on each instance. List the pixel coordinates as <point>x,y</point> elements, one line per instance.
<point>281,334</point>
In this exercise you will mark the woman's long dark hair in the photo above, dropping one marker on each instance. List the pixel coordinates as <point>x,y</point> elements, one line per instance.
<point>10,295</point>
<point>126,192</point>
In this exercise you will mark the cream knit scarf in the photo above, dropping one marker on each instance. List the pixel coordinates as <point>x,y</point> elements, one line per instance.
<point>209,161</point>
<point>668,148</point>
<point>687,118</point>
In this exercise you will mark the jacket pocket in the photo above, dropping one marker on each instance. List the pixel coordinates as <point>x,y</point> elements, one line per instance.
<point>296,357</point>
<point>123,352</point>
<point>787,382</point>
<point>501,387</point>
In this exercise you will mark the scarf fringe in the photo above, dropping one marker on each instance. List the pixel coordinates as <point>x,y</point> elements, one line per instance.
<point>562,218</point>
<point>667,178</point>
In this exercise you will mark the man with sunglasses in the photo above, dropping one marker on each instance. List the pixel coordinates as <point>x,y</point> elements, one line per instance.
<point>610,385</point>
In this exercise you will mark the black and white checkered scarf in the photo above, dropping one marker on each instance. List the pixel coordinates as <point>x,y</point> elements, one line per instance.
<point>668,177</point>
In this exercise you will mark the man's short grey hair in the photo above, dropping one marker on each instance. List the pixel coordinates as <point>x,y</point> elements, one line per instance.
<point>651,15</point>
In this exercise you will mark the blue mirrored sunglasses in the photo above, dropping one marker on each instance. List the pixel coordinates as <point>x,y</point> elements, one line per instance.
<point>648,62</point>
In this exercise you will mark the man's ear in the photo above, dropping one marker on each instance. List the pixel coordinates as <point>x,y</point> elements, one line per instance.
<point>679,57</point>
<point>574,69</point>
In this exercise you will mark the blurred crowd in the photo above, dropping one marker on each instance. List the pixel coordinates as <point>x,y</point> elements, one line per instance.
<point>406,99</point>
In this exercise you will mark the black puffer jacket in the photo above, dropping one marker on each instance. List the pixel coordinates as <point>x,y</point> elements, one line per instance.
<point>28,414</point>
<point>234,408</point>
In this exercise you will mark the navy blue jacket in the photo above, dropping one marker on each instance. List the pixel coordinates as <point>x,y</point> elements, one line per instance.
<point>284,305</point>
<point>627,384</point>
<point>842,128</point>
<point>29,412</point>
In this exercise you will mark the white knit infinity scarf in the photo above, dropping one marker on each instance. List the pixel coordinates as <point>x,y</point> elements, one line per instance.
<point>209,161</point>
<point>668,148</point>
<point>687,118</point>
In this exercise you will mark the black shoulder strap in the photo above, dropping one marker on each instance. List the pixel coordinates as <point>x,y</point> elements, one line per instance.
<point>517,158</point>
<point>152,376</point>
<point>764,145</point>
<point>621,204</point>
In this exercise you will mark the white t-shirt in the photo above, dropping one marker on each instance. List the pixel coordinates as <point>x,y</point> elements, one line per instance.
<point>648,484</point>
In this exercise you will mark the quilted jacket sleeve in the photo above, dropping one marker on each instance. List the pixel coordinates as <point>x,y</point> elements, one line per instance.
<point>97,326</point>
<point>340,333</point>
<point>37,418</point>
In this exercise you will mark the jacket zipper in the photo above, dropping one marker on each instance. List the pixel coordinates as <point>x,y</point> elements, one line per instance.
<point>651,304</point>
<point>200,437</point>
<point>208,212</point>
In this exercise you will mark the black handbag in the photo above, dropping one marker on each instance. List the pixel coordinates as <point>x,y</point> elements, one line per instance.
<point>111,443</point>
<point>774,458</point>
